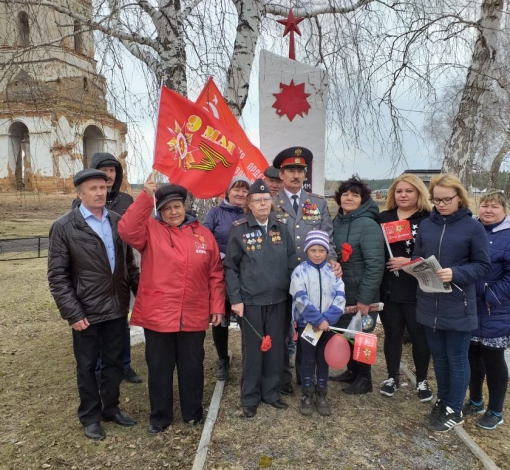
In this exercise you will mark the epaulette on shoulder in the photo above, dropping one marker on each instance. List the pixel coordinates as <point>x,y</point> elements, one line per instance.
<point>236,223</point>
<point>316,195</point>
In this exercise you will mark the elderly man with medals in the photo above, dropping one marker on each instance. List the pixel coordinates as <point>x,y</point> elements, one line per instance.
<point>258,264</point>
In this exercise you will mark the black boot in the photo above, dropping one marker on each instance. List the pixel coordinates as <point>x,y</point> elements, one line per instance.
<point>306,405</point>
<point>347,377</point>
<point>223,366</point>
<point>322,402</point>
<point>360,386</point>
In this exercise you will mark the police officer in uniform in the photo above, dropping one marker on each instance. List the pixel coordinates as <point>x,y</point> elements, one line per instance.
<point>301,212</point>
<point>258,264</point>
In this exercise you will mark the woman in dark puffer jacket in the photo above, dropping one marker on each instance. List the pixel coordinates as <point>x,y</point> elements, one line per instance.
<point>460,245</point>
<point>492,337</point>
<point>357,225</point>
<point>219,220</point>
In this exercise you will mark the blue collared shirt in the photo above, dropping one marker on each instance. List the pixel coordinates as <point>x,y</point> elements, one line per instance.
<point>104,231</point>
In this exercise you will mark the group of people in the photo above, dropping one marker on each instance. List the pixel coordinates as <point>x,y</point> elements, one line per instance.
<point>271,255</point>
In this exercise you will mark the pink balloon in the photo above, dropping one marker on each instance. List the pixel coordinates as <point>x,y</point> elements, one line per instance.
<point>337,352</point>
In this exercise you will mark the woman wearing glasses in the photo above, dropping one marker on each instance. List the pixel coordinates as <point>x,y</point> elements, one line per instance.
<point>258,264</point>
<point>460,245</point>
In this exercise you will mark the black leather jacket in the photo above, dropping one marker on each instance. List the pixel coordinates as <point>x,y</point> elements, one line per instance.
<point>79,273</point>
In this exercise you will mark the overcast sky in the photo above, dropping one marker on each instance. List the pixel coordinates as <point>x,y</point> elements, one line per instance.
<point>341,162</point>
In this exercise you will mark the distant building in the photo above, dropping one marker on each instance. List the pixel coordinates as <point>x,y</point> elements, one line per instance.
<point>53,111</point>
<point>424,175</point>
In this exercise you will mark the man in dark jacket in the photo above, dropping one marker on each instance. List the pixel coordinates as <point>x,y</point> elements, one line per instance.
<point>91,273</point>
<point>116,201</point>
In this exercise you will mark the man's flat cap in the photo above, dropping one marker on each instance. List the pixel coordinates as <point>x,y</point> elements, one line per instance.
<point>272,172</point>
<point>170,192</point>
<point>87,174</point>
<point>293,157</point>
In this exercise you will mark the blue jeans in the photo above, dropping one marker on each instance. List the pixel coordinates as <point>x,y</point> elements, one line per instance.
<point>449,350</point>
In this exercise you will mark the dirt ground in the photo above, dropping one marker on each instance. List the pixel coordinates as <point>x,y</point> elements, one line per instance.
<point>38,400</point>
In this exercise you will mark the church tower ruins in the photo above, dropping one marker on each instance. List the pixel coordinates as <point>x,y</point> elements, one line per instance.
<point>53,110</point>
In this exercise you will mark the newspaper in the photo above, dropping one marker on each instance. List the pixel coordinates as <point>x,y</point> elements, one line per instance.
<point>424,270</point>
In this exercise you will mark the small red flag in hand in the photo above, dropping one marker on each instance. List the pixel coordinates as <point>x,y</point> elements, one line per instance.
<point>266,343</point>
<point>397,231</point>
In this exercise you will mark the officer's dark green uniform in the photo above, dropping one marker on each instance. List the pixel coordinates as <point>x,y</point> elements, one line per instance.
<point>258,265</point>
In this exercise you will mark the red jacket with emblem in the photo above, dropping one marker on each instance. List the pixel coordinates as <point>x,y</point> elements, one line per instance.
<point>181,280</point>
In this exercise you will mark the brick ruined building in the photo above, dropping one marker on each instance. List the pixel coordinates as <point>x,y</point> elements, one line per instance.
<point>53,111</point>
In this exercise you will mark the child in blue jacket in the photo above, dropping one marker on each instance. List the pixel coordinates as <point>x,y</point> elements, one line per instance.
<point>318,298</point>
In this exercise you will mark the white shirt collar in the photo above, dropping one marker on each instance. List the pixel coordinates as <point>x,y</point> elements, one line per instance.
<point>262,224</point>
<point>289,195</point>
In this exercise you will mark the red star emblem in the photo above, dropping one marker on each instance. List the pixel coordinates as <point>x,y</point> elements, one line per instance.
<point>292,100</point>
<point>291,24</point>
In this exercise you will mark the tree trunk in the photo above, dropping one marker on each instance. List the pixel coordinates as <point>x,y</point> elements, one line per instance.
<point>243,55</point>
<point>460,151</point>
<point>507,186</point>
<point>496,163</point>
<point>170,27</point>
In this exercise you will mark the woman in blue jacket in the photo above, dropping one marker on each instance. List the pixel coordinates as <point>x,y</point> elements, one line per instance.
<point>460,245</point>
<point>219,220</point>
<point>492,336</point>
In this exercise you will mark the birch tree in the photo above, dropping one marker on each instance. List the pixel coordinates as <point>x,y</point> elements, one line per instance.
<point>376,53</point>
<point>460,152</point>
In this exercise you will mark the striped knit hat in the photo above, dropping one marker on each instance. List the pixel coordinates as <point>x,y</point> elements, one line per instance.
<point>317,237</point>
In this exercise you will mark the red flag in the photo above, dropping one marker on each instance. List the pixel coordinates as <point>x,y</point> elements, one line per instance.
<point>193,148</point>
<point>397,231</point>
<point>365,348</point>
<point>251,162</point>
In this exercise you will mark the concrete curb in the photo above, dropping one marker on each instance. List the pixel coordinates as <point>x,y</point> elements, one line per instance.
<point>210,421</point>
<point>477,451</point>
<point>137,335</point>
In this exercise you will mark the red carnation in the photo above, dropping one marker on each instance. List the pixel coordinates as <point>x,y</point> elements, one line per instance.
<point>266,340</point>
<point>266,343</point>
<point>346,252</point>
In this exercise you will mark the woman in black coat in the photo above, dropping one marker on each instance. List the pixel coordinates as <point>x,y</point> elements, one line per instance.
<point>408,199</point>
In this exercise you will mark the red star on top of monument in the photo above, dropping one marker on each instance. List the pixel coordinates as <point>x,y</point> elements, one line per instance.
<point>291,24</point>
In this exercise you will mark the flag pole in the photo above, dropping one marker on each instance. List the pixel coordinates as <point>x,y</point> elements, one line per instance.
<point>154,172</point>
<point>387,243</point>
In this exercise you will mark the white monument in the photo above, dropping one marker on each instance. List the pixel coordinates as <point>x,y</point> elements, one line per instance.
<point>53,112</point>
<point>292,103</point>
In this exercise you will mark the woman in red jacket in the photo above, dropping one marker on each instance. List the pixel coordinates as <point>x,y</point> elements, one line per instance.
<point>181,285</point>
